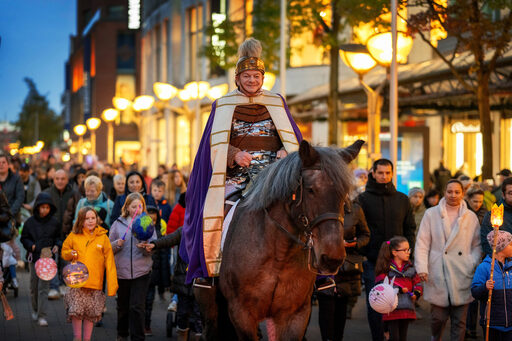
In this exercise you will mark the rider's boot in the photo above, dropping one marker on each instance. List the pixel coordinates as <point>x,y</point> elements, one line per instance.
<point>182,334</point>
<point>205,293</point>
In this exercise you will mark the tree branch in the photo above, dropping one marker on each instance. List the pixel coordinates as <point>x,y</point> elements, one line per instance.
<point>502,42</point>
<point>456,73</point>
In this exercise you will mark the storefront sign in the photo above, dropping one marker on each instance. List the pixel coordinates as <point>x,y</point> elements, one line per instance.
<point>133,14</point>
<point>460,127</point>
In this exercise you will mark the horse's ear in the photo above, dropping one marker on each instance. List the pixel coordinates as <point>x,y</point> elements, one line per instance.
<point>308,154</point>
<point>348,154</point>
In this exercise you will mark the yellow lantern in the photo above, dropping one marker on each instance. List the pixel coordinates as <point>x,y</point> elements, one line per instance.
<point>496,215</point>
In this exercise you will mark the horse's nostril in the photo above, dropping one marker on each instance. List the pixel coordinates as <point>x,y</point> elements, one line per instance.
<point>331,263</point>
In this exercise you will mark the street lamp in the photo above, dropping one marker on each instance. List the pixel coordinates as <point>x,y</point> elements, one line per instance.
<point>144,102</point>
<point>379,46</point>
<point>80,130</point>
<point>109,115</point>
<point>164,91</point>
<point>93,123</point>
<point>356,56</point>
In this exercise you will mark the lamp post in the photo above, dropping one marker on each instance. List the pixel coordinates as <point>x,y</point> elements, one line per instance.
<point>165,92</point>
<point>197,91</point>
<point>121,104</point>
<point>80,130</point>
<point>388,49</point>
<point>93,123</point>
<point>357,57</point>
<point>109,115</point>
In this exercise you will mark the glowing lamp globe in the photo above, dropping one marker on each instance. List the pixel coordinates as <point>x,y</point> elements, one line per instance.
<point>46,268</point>
<point>75,274</point>
<point>383,297</point>
<point>357,57</point>
<point>197,90</point>
<point>143,102</point>
<point>121,103</point>
<point>164,91</point>
<point>143,227</point>
<point>380,47</point>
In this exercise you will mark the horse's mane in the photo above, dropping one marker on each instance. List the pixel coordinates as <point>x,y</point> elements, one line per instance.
<point>279,180</point>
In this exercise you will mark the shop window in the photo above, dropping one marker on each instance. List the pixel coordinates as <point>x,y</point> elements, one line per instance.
<point>183,142</point>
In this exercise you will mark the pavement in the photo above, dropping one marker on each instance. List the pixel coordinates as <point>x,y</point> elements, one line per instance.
<point>23,328</point>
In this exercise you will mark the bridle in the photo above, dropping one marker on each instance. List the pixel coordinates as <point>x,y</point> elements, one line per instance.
<point>306,223</point>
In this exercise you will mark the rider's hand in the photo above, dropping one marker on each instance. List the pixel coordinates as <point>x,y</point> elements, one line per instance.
<point>243,159</point>
<point>281,154</point>
<point>423,277</point>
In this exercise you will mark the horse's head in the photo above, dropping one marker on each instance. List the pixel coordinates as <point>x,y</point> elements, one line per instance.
<point>319,201</point>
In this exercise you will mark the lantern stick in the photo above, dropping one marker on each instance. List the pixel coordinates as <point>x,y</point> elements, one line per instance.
<point>496,221</point>
<point>7,309</point>
<point>131,223</point>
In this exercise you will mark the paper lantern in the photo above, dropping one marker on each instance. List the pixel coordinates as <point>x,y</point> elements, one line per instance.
<point>46,268</point>
<point>75,274</point>
<point>383,297</point>
<point>143,227</point>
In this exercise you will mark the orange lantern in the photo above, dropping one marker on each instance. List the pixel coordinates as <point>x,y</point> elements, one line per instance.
<point>496,215</point>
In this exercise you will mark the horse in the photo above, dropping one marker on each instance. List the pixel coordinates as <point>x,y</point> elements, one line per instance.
<point>286,230</point>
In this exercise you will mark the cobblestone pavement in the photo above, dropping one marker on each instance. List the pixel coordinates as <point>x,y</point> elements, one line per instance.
<point>23,328</point>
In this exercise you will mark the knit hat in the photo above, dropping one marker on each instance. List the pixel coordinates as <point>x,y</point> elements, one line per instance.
<point>415,190</point>
<point>358,172</point>
<point>504,238</point>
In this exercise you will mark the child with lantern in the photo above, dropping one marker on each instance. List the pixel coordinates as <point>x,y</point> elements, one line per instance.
<point>88,244</point>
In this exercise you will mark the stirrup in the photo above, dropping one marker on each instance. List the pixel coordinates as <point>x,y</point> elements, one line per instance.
<point>328,283</point>
<point>204,282</point>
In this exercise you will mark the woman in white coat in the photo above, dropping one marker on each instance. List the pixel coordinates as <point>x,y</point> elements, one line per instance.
<point>446,254</point>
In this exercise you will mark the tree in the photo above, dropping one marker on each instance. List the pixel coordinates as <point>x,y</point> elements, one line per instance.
<point>36,120</point>
<point>479,29</point>
<point>303,15</point>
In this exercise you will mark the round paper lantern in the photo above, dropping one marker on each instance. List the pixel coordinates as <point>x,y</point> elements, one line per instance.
<point>75,274</point>
<point>383,297</point>
<point>143,227</point>
<point>46,268</point>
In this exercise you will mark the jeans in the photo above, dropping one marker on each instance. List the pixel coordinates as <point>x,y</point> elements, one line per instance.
<point>131,297</point>
<point>38,292</point>
<point>150,298</point>
<point>472,316</point>
<point>374,318</point>
<point>188,315</point>
<point>457,316</point>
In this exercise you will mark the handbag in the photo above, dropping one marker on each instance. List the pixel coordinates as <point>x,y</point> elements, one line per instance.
<point>7,230</point>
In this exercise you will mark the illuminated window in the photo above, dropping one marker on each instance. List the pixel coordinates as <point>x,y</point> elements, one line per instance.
<point>195,26</point>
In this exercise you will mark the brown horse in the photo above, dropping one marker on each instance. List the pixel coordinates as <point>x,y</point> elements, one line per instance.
<point>288,229</point>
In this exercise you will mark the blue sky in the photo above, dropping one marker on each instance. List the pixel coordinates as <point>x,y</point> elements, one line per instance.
<point>35,44</point>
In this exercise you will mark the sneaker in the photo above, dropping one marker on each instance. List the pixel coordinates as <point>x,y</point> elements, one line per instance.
<point>15,283</point>
<point>42,322</point>
<point>148,332</point>
<point>173,306</point>
<point>53,294</point>
<point>34,316</point>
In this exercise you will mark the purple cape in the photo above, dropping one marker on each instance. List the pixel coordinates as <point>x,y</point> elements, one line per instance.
<point>191,247</point>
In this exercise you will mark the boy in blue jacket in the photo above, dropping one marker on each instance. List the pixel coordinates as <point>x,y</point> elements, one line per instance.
<point>501,301</point>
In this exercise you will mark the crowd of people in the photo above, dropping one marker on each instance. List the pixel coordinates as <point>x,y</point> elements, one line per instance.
<point>430,241</point>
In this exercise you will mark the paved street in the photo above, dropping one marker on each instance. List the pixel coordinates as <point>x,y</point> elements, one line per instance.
<point>23,328</point>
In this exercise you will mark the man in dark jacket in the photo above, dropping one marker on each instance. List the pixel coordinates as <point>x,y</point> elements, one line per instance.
<point>506,189</point>
<point>12,186</point>
<point>388,214</point>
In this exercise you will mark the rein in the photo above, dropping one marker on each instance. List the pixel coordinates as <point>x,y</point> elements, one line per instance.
<point>307,224</point>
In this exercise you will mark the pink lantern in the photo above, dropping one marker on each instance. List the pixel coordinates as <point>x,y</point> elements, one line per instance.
<point>46,268</point>
<point>75,275</point>
<point>383,297</point>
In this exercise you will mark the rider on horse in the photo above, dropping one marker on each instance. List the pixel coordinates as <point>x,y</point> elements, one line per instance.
<point>248,129</point>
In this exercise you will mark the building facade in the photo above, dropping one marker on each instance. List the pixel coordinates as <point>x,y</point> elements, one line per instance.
<point>104,62</point>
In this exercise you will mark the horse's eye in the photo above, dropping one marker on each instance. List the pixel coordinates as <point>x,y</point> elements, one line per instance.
<point>310,190</point>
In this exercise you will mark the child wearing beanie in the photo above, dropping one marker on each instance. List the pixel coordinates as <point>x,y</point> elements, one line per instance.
<point>501,302</point>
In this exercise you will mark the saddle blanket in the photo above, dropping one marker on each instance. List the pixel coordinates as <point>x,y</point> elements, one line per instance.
<point>227,221</point>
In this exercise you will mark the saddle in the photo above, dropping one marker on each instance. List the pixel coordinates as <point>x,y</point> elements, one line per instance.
<point>231,199</point>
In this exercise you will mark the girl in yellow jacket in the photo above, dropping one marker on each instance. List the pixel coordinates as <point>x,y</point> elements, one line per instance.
<point>88,243</point>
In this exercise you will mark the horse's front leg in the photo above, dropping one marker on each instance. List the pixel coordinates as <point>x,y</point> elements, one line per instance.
<point>246,326</point>
<point>292,327</point>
